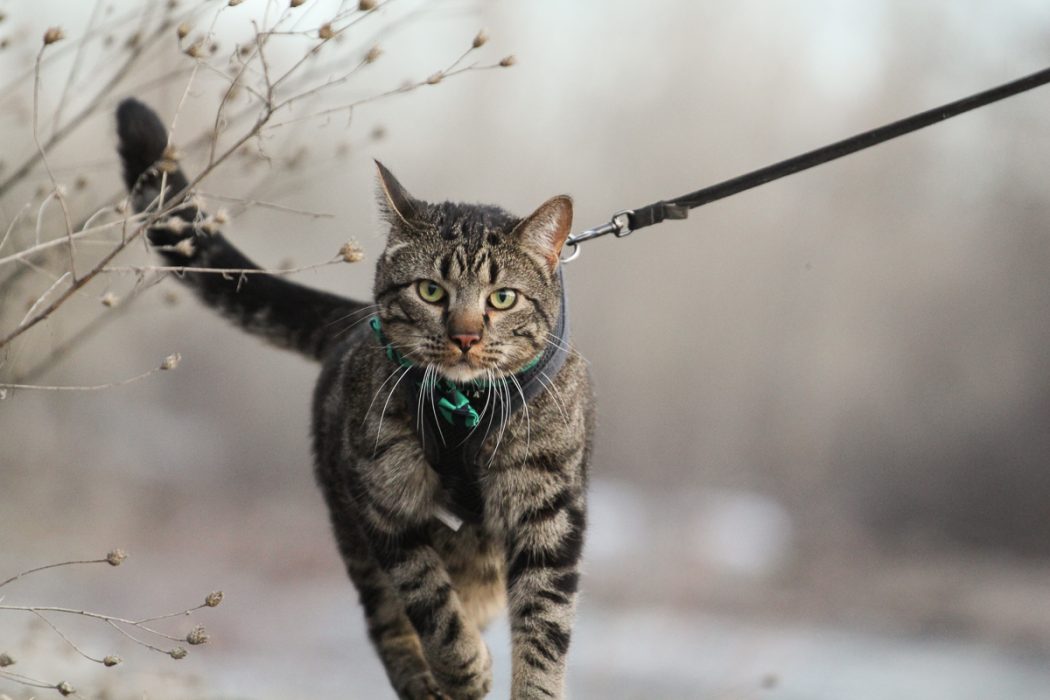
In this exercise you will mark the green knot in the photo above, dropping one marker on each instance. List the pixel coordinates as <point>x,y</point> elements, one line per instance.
<point>455,404</point>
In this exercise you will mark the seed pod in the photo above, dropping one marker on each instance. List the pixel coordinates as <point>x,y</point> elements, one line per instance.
<point>197,636</point>
<point>326,31</point>
<point>213,599</point>
<point>508,61</point>
<point>111,661</point>
<point>116,557</point>
<point>53,34</point>
<point>171,361</point>
<point>480,40</point>
<point>177,653</point>
<point>351,252</point>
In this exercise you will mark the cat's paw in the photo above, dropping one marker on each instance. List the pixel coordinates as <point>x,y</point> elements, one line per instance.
<point>471,680</point>
<point>174,234</point>
<point>422,687</point>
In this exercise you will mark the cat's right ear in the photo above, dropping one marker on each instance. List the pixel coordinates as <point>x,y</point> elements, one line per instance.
<point>544,231</point>
<point>400,206</point>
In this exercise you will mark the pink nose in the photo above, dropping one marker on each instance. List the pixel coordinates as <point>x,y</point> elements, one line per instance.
<point>466,340</point>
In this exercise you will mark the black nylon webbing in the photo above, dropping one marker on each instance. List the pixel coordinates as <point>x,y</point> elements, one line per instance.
<point>678,207</point>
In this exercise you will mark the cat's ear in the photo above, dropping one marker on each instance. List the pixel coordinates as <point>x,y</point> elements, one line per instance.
<point>396,201</point>
<point>544,231</point>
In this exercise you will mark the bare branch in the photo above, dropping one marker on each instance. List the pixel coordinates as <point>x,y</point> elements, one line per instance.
<point>196,636</point>
<point>71,76</point>
<point>66,639</point>
<point>40,299</point>
<point>229,273</point>
<point>59,134</point>
<point>40,247</point>
<point>267,205</point>
<point>170,362</point>
<point>75,562</point>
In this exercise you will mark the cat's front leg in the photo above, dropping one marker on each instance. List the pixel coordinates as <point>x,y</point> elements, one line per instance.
<point>396,489</point>
<point>543,514</point>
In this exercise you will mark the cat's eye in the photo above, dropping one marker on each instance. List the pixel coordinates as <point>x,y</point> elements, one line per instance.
<point>430,291</point>
<point>503,299</point>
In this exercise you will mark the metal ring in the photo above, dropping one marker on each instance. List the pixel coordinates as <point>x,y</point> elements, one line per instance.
<point>575,251</point>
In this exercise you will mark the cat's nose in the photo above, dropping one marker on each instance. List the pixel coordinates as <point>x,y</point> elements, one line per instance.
<point>466,340</point>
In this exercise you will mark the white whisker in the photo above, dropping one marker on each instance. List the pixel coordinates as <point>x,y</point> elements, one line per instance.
<point>419,407</point>
<point>505,414</point>
<point>382,415</point>
<point>484,408</point>
<point>488,400</point>
<point>557,342</point>
<point>369,309</point>
<point>433,405</point>
<point>555,394</point>
<point>528,420</point>
<point>376,395</point>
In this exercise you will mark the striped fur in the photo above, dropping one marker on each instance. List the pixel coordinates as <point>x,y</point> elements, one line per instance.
<point>427,592</point>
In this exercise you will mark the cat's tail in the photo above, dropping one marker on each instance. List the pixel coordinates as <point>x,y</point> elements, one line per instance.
<point>285,313</point>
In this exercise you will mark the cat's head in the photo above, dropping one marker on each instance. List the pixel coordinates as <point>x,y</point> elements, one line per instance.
<point>469,289</point>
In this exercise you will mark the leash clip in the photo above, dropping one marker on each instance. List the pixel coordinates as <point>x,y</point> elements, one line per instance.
<point>619,225</point>
<point>622,221</point>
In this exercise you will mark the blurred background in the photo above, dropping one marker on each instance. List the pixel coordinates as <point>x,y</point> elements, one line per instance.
<point>822,460</point>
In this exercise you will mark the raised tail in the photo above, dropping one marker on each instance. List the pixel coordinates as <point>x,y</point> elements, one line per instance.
<point>284,313</point>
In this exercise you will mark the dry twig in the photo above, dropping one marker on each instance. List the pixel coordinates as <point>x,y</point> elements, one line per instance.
<point>125,626</point>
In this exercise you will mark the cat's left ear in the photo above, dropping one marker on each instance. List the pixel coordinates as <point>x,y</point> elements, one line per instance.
<point>544,231</point>
<point>400,206</point>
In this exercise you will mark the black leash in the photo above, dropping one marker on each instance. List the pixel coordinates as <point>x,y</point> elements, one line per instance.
<point>629,220</point>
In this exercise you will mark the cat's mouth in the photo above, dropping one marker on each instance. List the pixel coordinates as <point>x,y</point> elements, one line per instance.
<point>463,369</point>
<point>464,366</point>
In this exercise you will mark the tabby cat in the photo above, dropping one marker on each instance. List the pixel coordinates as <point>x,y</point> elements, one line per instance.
<point>451,421</point>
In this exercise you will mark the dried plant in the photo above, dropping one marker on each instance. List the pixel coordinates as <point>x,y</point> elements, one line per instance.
<point>141,632</point>
<point>59,245</point>
<point>73,259</point>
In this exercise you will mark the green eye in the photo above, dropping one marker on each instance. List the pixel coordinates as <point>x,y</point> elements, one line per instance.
<point>430,291</point>
<point>503,299</point>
